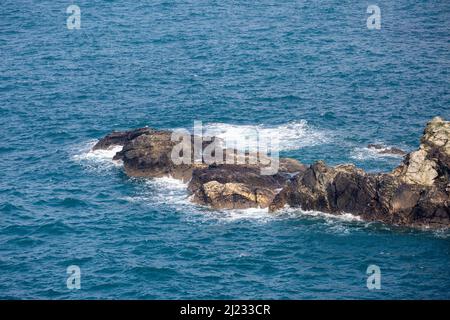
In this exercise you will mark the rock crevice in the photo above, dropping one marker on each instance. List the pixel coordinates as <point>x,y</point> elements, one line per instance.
<point>414,193</point>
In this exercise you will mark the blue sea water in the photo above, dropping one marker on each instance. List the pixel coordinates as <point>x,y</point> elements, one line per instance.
<point>309,72</point>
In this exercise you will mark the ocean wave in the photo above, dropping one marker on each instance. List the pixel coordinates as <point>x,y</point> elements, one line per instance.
<point>291,136</point>
<point>365,153</point>
<point>297,212</point>
<point>443,233</point>
<point>96,159</point>
<point>339,224</point>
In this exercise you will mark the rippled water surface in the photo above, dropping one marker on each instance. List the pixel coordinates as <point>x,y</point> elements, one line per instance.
<point>309,73</point>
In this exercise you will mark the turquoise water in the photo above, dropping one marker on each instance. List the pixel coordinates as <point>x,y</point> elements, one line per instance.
<point>310,73</point>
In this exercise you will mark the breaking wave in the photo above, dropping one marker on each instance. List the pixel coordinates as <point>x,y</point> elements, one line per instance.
<point>291,136</point>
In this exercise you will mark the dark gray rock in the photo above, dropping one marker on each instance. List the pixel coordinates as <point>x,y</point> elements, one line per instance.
<point>120,138</point>
<point>386,150</point>
<point>416,193</point>
<point>234,186</point>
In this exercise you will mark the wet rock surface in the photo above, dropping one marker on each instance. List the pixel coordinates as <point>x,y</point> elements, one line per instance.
<point>416,193</point>
<point>386,150</point>
<point>234,186</point>
<point>120,138</point>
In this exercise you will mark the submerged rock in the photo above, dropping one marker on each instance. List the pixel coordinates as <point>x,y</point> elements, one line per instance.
<point>416,193</point>
<point>386,150</point>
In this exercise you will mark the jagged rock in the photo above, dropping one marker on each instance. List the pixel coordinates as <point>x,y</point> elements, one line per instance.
<point>432,161</point>
<point>386,150</point>
<point>120,138</point>
<point>232,195</point>
<point>289,165</point>
<point>415,193</point>
<point>342,188</point>
<point>149,155</point>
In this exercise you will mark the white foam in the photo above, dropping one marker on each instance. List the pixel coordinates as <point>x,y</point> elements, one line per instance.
<point>168,190</point>
<point>168,182</point>
<point>365,153</point>
<point>335,222</point>
<point>173,192</point>
<point>295,212</point>
<point>291,136</point>
<point>338,224</point>
<point>165,190</point>
<point>443,233</point>
<point>97,158</point>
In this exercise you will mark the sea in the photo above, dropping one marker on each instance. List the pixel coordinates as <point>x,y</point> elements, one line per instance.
<point>311,73</point>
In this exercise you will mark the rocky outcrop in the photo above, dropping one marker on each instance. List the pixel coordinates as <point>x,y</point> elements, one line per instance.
<point>430,164</point>
<point>415,193</point>
<point>148,153</point>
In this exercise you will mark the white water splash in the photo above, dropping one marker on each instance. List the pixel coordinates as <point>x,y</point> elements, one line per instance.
<point>167,190</point>
<point>365,153</point>
<point>96,159</point>
<point>291,136</point>
<point>173,193</point>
